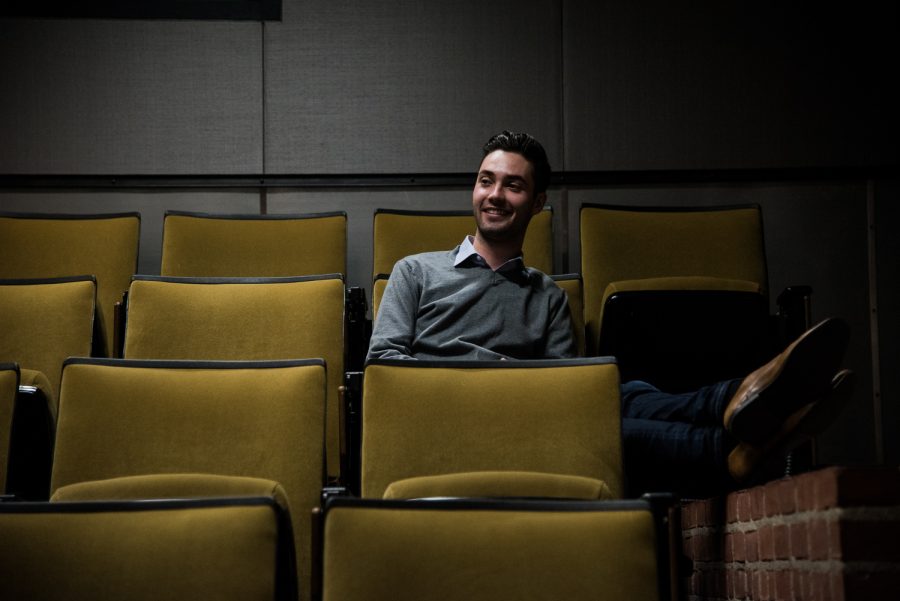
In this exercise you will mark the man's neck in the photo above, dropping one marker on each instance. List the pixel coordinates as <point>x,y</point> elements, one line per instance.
<point>496,252</point>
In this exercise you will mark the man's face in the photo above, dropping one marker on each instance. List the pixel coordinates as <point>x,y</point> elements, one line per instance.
<point>504,199</point>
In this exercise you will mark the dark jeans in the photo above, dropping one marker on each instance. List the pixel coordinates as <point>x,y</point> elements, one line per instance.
<point>676,442</point>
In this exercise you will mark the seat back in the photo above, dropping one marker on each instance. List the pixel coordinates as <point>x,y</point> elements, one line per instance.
<point>9,387</point>
<point>573,285</point>
<point>486,550</point>
<point>207,245</point>
<point>202,549</point>
<point>398,234</point>
<point>256,419</point>
<point>50,246</point>
<point>635,243</point>
<point>243,319</point>
<point>424,418</point>
<point>44,321</point>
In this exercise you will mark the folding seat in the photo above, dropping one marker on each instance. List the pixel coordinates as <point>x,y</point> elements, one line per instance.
<point>510,428</point>
<point>669,290</point>
<point>224,548</point>
<point>243,319</point>
<point>487,549</point>
<point>217,245</point>
<point>43,321</point>
<point>9,387</point>
<point>49,246</point>
<point>398,234</point>
<point>174,422</point>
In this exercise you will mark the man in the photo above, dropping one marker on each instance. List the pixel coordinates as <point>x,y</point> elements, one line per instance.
<point>479,301</point>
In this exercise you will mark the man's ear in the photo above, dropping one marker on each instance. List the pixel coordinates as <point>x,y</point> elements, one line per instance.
<point>539,201</point>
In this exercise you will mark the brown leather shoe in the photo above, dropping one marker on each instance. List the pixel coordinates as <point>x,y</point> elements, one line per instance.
<point>747,460</point>
<point>799,375</point>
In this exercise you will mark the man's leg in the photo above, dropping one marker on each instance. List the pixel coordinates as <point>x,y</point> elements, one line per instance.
<point>675,456</point>
<point>705,406</point>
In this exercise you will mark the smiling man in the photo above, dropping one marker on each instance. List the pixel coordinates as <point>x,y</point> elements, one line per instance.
<point>479,302</point>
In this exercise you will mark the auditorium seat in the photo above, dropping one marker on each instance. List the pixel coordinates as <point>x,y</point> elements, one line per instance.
<point>479,549</point>
<point>243,319</point>
<point>43,321</point>
<point>219,245</point>
<point>9,387</point>
<point>221,548</point>
<point>668,290</point>
<point>121,418</point>
<point>397,234</point>
<point>35,245</point>
<point>457,419</point>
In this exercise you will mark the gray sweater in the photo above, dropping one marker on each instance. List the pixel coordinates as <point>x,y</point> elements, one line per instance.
<point>432,309</point>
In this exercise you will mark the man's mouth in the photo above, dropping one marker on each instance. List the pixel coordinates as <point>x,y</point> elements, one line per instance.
<point>495,211</point>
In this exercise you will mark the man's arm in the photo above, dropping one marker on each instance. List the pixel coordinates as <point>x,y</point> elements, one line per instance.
<point>395,323</point>
<point>560,335</point>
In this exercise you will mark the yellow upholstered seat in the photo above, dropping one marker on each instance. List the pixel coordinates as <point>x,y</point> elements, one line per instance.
<point>9,387</point>
<point>252,419</point>
<point>499,484</point>
<point>243,319</point>
<point>50,246</point>
<point>426,418</point>
<point>226,549</point>
<point>215,245</point>
<point>398,234</point>
<point>43,321</point>
<point>694,272</point>
<point>492,549</point>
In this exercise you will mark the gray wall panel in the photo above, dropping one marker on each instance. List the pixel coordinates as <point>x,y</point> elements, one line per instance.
<point>151,205</point>
<point>662,85</point>
<point>144,97</point>
<point>375,87</point>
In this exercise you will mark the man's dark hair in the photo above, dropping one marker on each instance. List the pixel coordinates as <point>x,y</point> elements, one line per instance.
<point>529,148</point>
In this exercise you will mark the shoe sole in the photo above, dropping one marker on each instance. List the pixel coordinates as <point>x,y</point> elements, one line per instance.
<point>805,376</point>
<point>821,415</point>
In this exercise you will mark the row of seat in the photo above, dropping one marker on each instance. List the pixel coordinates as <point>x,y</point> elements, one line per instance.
<point>623,249</point>
<point>240,548</point>
<point>136,429</point>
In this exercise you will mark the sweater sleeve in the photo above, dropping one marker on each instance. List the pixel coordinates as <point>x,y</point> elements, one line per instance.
<point>560,338</point>
<point>394,329</point>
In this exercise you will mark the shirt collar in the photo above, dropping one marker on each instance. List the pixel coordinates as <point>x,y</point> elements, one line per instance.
<point>467,252</point>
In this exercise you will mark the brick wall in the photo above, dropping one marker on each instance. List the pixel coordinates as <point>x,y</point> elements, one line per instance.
<point>828,535</point>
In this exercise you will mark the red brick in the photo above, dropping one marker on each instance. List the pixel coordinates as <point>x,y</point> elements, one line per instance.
<point>782,541</point>
<point>731,513</point>
<point>741,587</point>
<point>805,490</point>
<point>767,543</point>
<point>799,540</point>
<point>783,587</point>
<point>817,532</point>
<point>757,502</point>
<point>743,506</point>
<point>728,547</point>
<point>688,516</point>
<point>687,547</point>
<point>739,549</point>
<point>786,491</point>
<point>756,584</point>
<point>751,545</point>
<point>771,500</point>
